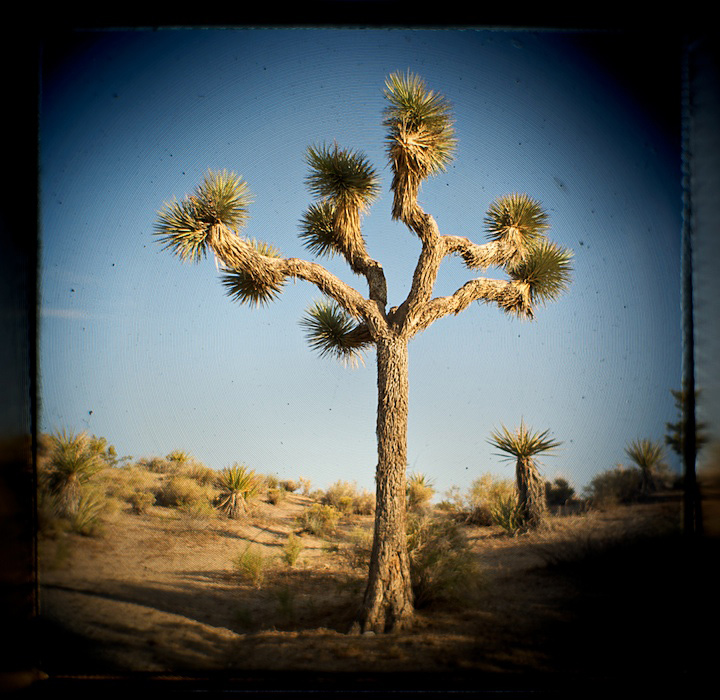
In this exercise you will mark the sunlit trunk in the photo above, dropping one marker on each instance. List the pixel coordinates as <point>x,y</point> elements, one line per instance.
<point>388,603</point>
<point>531,493</point>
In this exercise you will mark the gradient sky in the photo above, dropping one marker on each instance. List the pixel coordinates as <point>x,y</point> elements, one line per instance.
<point>151,353</point>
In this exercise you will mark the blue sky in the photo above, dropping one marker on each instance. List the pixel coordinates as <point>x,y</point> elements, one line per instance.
<point>151,353</point>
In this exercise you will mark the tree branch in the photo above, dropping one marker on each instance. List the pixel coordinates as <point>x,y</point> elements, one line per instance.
<point>510,296</point>
<point>236,253</point>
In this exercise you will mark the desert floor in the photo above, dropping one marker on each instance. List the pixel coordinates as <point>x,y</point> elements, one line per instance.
<point>606,599</point>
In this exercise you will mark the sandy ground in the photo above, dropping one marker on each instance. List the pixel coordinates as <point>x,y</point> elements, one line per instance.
<point>157,596</point>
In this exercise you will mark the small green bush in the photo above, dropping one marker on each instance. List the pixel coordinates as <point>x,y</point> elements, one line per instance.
<point>443,568</point>
<point>252,565</point>
<point>319,520</point>
<point>615,486</point>
<point>475,506</point>
<point>291,549</point>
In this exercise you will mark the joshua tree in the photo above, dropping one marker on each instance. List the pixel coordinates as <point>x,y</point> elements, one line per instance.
<point>523,446</point>
<point>649,456</point>
<point>420,143</point>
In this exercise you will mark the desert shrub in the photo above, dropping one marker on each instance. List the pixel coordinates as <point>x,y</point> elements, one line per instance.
<point>443,568</point>
<point>179,490</point>
<point>304,484</point>
<point>291,549</point>
<point>157,465</point>
<point>319,519</point>
<point>289,486</point>
<point>271,481</point>
<point>357,550</point>
<point>204,475</point>
<point>558,492</point>
<point>252,565</point>
<point>196,515</point>
<point>615,486</point>
<point>141,501</point>
<point>474,507</point>
<point>507,512</point>
<point>275,496</point>
<point>238,486</point>
<point>345,497</point>
<point>419,492</point>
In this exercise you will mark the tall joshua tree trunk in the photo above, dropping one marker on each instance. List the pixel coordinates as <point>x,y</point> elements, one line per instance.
<point>420,143</point>
<point>531,492</point>
<point>388,600</point>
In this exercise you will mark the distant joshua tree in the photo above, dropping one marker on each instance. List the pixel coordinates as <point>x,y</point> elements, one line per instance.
<point>420,143</point>
<point>650,458</point>
<point>523,446</point>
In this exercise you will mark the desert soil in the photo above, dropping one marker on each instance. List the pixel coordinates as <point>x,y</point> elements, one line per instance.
<point>157,596</point>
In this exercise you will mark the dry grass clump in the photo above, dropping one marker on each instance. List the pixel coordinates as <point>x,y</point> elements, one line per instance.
<point>476,506</point>
<point>252,565</point>
<point>319,519</point>
<point>443,567</point>
<point>345,497</point>
<point>182,490</point>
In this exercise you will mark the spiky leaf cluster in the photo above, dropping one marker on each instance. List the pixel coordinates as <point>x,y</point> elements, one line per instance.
<point>318,231</point>
<point>518,220</point>
<point>545,271</point>
<point>182,226</point>
<point>333,332</point>
<point>646,454</point>
<point>254,289</point>
<point>420,139</point>
<point>344,177</point>
<point>522,444</point>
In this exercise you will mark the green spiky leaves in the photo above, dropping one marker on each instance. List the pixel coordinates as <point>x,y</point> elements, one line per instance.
<point>420,128</point>
<point>522,444</point>
<point>343,177</point>
<point>646,454</point>
<point>257,287</point>
<point>318,231</point>
<point>518,220</point>
<point>544,273</point>
<point>332,332</point>
<point>222,198</point>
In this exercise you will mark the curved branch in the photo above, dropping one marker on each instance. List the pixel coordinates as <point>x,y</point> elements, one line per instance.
<point>234,252</point>
<point>480,256</point>
<point>511,296</point>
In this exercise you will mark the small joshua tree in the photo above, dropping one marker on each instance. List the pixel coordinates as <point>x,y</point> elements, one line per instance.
<point>523,446</point>
<point>238,485</point>
<point>650,458</point>
<point>420,143</point>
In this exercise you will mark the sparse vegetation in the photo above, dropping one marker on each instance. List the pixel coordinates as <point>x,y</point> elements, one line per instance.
<point>252,565</point>
<point>291,549</point>
<point>345,497</point>
<point>319,519</point>
<point>475,506</point>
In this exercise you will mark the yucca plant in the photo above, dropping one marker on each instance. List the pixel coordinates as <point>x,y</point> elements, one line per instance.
<point>420,142</point>
<point>86,517</point>
<point>649,456</point>
<point>72,464</point>
<point>420,491</point>
<point>523,446</point>
<point>238,484</point>
<point>507,512</point>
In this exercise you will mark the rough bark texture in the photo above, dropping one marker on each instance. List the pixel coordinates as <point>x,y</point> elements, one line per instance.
<point>531,493</point>
<point>388,603</point>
